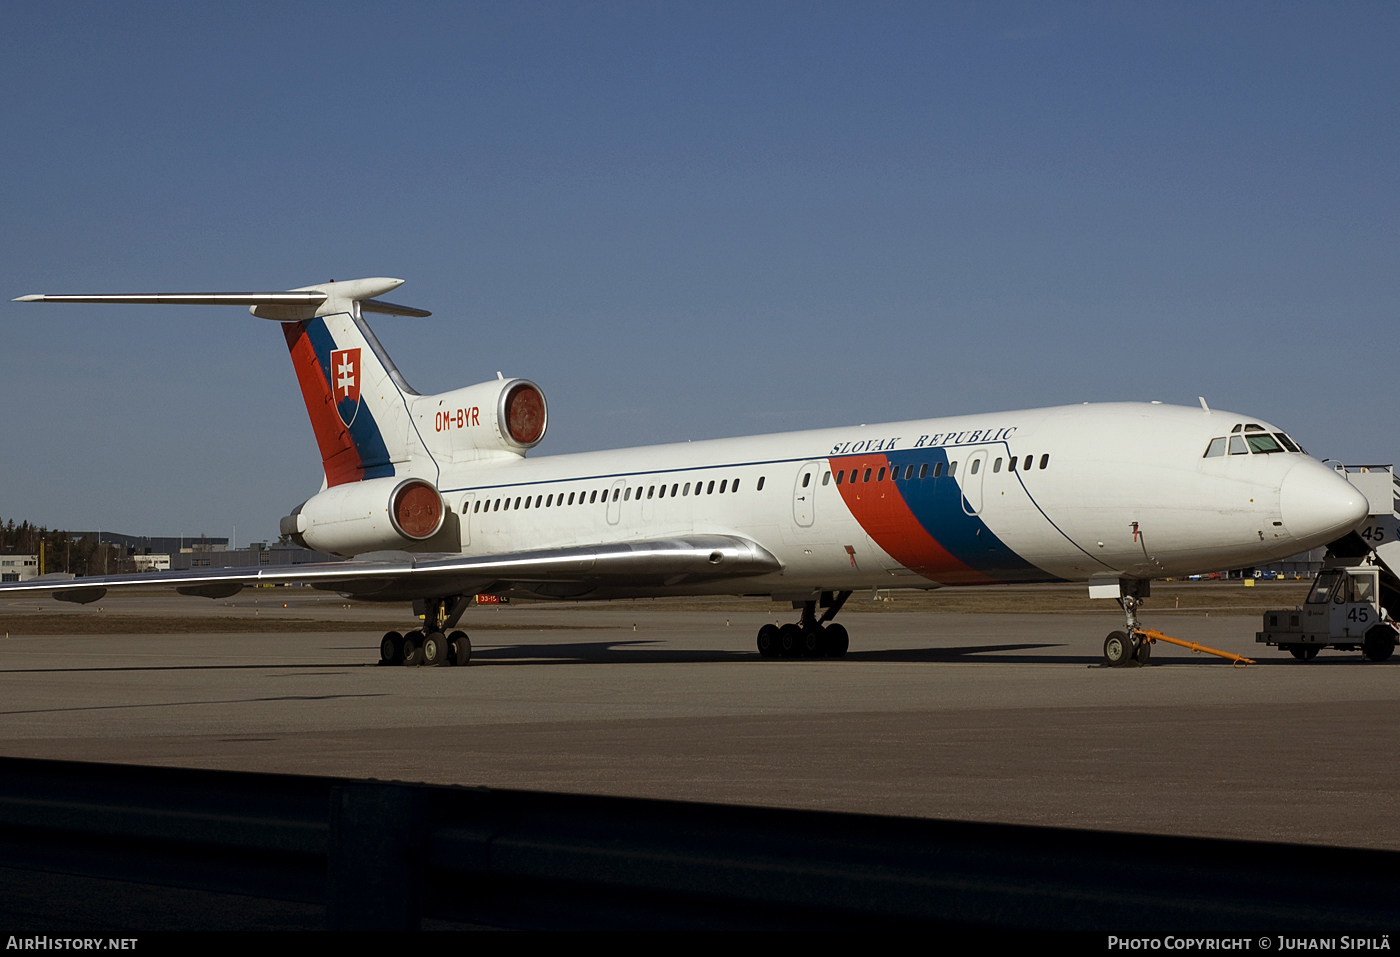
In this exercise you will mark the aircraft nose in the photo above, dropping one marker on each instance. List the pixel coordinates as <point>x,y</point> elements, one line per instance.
<point>1318,505</point>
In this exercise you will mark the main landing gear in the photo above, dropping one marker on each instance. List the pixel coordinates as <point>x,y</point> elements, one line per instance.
<point>812,637</point>
<point>433,644</point>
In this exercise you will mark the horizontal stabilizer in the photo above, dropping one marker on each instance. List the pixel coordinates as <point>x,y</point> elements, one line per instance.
<point>390,309</point>
<point>290,305</point>
<point>191,298</point>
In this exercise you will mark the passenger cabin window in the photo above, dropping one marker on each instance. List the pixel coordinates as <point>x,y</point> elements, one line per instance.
<point>881,476</point>
<point>805,479</point>
<point>996,466</point>
<point>1011,464</point>
<point>952,469</point>
<point>923,470</point>
<point>826,478</point>
<point>760,484</point>
<point>673,489</point>
<point>867,476</point>
<point>710,489</point>
<point>735,486</point>
<point>975,464</point>
<point>937,469</point>
<point>1045,460</point>
<point>722,485</point>
<point>1026,466</point>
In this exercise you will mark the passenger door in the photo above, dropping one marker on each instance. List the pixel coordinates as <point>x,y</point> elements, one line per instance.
<point>804,494</point>
<point>974,470</point>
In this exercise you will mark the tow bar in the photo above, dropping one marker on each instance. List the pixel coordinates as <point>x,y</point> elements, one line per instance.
<point>1149,634</point>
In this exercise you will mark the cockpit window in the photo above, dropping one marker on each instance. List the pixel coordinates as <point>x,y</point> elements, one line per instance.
<point>1252,427</point>
<point>1237,427</point>
<point>1244,441</point>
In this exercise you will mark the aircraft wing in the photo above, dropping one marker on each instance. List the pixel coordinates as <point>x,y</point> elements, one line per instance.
<point>399,576</point>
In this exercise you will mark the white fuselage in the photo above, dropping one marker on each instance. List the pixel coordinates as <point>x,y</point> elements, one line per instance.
<point>1121,490</point>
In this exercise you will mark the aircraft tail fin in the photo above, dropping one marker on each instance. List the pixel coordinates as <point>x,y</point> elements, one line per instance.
<point>357,399</point>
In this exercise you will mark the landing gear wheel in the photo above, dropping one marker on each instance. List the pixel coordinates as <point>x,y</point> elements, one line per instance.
<point>768,641</point>
<point>1303,652</point>
<point>461,647</point>
<point>1117,649</point>
<point>837,640</point>
<point>1143,654</point>
<point>790,641</point>
<point>435,649</point>
<point>1379,644</point>
<point>413,649</point>
<point>813,642</point>
<point>391,649</point>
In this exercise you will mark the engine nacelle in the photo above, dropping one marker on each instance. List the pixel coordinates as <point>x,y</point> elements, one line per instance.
<point>481,421</point>
<point>374,515</point>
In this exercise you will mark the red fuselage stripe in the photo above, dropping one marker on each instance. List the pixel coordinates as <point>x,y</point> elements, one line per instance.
<point>888,520</point>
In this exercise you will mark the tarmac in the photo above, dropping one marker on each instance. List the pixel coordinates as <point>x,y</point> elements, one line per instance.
<point>987,717</point>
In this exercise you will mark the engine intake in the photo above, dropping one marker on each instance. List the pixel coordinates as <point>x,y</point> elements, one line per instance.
<point>483,421</point>
<point>373,515</point>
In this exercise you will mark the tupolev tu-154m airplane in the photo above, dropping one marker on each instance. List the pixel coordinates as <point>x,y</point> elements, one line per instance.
<point>432,498</point>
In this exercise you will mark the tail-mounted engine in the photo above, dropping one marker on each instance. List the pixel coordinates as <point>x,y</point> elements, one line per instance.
<point>373,515</point>
<point>505,416</point>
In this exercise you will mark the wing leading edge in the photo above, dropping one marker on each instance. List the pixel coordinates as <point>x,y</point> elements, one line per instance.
<point>400,576</point>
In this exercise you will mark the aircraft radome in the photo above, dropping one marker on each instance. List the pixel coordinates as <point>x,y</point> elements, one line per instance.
<point>433,498</point>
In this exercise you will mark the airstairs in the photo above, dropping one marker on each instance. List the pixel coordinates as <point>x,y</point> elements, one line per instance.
<point>1379,538</point>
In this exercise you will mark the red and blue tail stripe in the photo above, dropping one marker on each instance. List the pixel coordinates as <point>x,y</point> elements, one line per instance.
<point>348,453</point>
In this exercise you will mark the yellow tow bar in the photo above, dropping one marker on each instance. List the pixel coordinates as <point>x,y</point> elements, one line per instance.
<point>1151,635</point>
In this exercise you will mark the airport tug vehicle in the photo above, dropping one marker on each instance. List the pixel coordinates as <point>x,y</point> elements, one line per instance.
<point>1343,611</point>
<point>1355,599</point>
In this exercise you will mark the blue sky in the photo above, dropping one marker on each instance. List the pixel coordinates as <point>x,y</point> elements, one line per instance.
<point>685,221</point>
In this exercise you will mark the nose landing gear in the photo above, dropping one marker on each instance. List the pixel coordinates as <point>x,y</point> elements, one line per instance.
<point>1129,647</point>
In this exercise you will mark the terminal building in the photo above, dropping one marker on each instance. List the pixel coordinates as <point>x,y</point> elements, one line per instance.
<point>18,568</point>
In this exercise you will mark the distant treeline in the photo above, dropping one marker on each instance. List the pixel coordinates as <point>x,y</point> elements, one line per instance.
<point>62,552</point>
